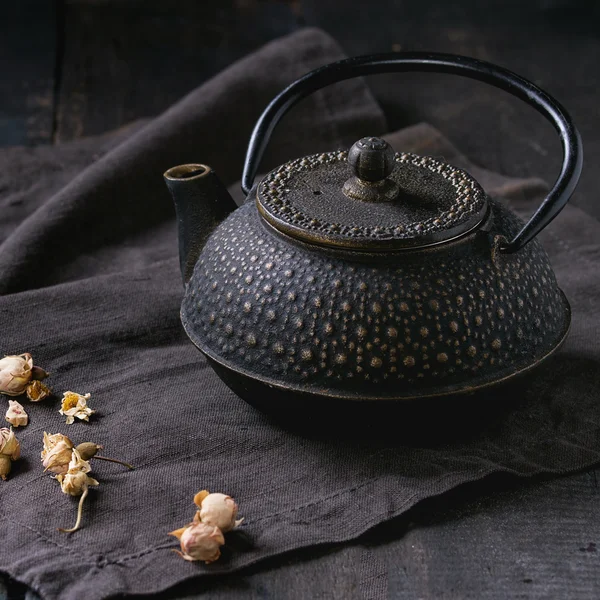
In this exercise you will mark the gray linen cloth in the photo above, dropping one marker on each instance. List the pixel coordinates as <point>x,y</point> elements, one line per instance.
<point>90,286</point>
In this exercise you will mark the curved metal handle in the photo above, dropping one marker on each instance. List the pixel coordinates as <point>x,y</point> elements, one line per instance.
<point>440,63</point>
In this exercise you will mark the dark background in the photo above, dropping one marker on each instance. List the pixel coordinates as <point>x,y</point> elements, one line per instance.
<point>82,67</point>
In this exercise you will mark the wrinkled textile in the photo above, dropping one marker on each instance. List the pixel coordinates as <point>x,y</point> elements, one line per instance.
<point>90,286</point>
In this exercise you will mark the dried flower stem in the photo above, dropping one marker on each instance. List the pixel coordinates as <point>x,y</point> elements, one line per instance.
<point>88,450</point>
<point>79,513</point>
<point>114,460</point>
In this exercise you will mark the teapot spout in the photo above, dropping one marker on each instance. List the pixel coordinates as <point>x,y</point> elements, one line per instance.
<point>201,203</point>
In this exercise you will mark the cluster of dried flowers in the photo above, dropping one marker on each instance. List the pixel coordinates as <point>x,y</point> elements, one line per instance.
<point>69,463</point>
<point>203,537</point>
<point>71,466</point>
<point>200,540</point>
<point>19,376</point>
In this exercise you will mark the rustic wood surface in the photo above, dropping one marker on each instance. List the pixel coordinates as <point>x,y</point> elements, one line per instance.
<point>27,60</point>
<point>80,67</point>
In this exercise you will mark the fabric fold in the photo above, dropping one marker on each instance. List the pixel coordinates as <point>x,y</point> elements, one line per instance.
<point>119,197</point>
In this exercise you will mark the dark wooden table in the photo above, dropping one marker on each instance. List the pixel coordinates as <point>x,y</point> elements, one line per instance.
<point>81,67</point>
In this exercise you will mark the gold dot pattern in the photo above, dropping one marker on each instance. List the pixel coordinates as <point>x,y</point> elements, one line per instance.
<point>404,325</point>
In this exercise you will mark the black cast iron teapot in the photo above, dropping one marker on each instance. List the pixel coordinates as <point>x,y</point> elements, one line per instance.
<point>364,274</point>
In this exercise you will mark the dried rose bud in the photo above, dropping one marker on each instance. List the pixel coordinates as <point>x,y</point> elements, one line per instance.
<point>5,466</point>
<point>57,453</point>
<point>16,414</point>
<point>200,542</point>
<point>75,405</point>
<point>15,373</point>
<point>36,391</point>
<point>9,444</point>
<point>88,450</point>
<point>76,482</point>
<point>218,510</point>
<point>10,450</point>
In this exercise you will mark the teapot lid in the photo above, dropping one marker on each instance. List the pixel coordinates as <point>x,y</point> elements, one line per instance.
<point>370,198</point>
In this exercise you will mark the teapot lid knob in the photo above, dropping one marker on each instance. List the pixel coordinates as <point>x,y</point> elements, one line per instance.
<point>372,159</point>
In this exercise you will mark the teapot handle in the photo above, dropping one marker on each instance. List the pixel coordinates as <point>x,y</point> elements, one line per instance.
<point>442,63</point>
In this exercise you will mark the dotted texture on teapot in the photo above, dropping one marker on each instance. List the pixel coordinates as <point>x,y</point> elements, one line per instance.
<point>304,197</point>
<point>413,324</point>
